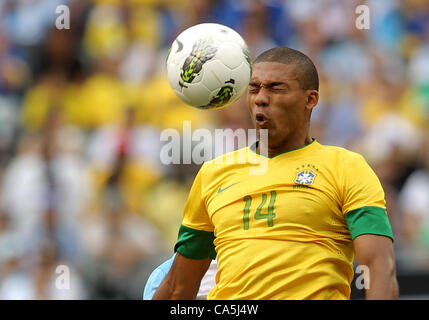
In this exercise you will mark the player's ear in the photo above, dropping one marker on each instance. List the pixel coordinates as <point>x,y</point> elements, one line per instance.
<point>312,99</point>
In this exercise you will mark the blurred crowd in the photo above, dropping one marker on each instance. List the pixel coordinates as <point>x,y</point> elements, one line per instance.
<point>81,111</point>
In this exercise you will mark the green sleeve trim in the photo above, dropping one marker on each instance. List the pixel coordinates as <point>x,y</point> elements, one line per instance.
<point>369,220</point>
<point>195,244</point>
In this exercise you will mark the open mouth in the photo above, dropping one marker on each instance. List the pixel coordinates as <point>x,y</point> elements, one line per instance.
<point>261,119</point>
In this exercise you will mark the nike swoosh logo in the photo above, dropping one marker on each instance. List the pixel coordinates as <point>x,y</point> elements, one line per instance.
<point>222,190</point>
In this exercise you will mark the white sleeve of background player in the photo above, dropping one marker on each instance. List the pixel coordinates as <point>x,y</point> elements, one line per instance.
<point>208,281</point>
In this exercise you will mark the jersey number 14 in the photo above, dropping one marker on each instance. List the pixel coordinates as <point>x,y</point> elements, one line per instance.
<point>270,215</point>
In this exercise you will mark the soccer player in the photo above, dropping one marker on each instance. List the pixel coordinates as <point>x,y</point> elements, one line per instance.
<point>293,232</point>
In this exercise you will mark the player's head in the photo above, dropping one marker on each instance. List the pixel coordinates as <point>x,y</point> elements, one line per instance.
<point>283,90</point>
<point>305,69</point>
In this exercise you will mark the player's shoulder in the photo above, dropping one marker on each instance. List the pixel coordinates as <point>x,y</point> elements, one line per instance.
<point>341,154</point>
<point>226,160</point>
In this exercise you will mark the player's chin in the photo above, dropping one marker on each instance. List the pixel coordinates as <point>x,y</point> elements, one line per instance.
<point>263,124</point>
<point>265,131</point>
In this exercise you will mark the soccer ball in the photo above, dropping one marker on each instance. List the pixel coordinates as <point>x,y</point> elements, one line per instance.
<point>209,66</point>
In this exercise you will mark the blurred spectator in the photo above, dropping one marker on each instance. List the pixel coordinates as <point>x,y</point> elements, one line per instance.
<point>122,247</point>
<point>45,188</point>
<point>256,27</point>
<point>414,202</point>
<point>127,153</point>
<point>24,179</point>
<point>40,279</point>
<point>46,92</point>
<point>14,70</point>
<point>26,23</point>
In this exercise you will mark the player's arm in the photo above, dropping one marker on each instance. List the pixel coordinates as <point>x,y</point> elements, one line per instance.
<point>376,253</point>
<point>194,247</point>
<point>367,219</point>
<point>183,280</point>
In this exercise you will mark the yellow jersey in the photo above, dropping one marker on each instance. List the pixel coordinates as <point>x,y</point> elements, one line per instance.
<point>285,234</point>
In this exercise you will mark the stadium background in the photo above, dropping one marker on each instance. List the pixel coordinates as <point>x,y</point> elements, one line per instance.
<point>81,111</point>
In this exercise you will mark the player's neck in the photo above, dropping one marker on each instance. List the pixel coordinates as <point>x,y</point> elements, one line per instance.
<point>289,145</point>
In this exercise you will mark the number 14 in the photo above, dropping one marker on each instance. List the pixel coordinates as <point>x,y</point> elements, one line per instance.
<point>258,215</point>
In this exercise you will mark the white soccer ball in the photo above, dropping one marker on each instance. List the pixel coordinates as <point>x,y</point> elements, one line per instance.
<point>209,66</point>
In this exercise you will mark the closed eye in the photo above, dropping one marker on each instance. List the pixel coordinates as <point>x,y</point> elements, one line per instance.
<point>253,88</point>
<point>278,89</point>
<point>274,87</point>
<point>277,86</point>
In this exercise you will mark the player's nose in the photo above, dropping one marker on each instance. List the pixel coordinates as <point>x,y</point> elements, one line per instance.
<point>262,99</point>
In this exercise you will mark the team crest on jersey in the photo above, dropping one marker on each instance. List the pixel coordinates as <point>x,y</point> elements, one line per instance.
<point>305,177</point>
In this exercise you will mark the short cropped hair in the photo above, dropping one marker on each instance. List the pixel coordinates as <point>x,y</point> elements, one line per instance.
<point>306,71</point>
